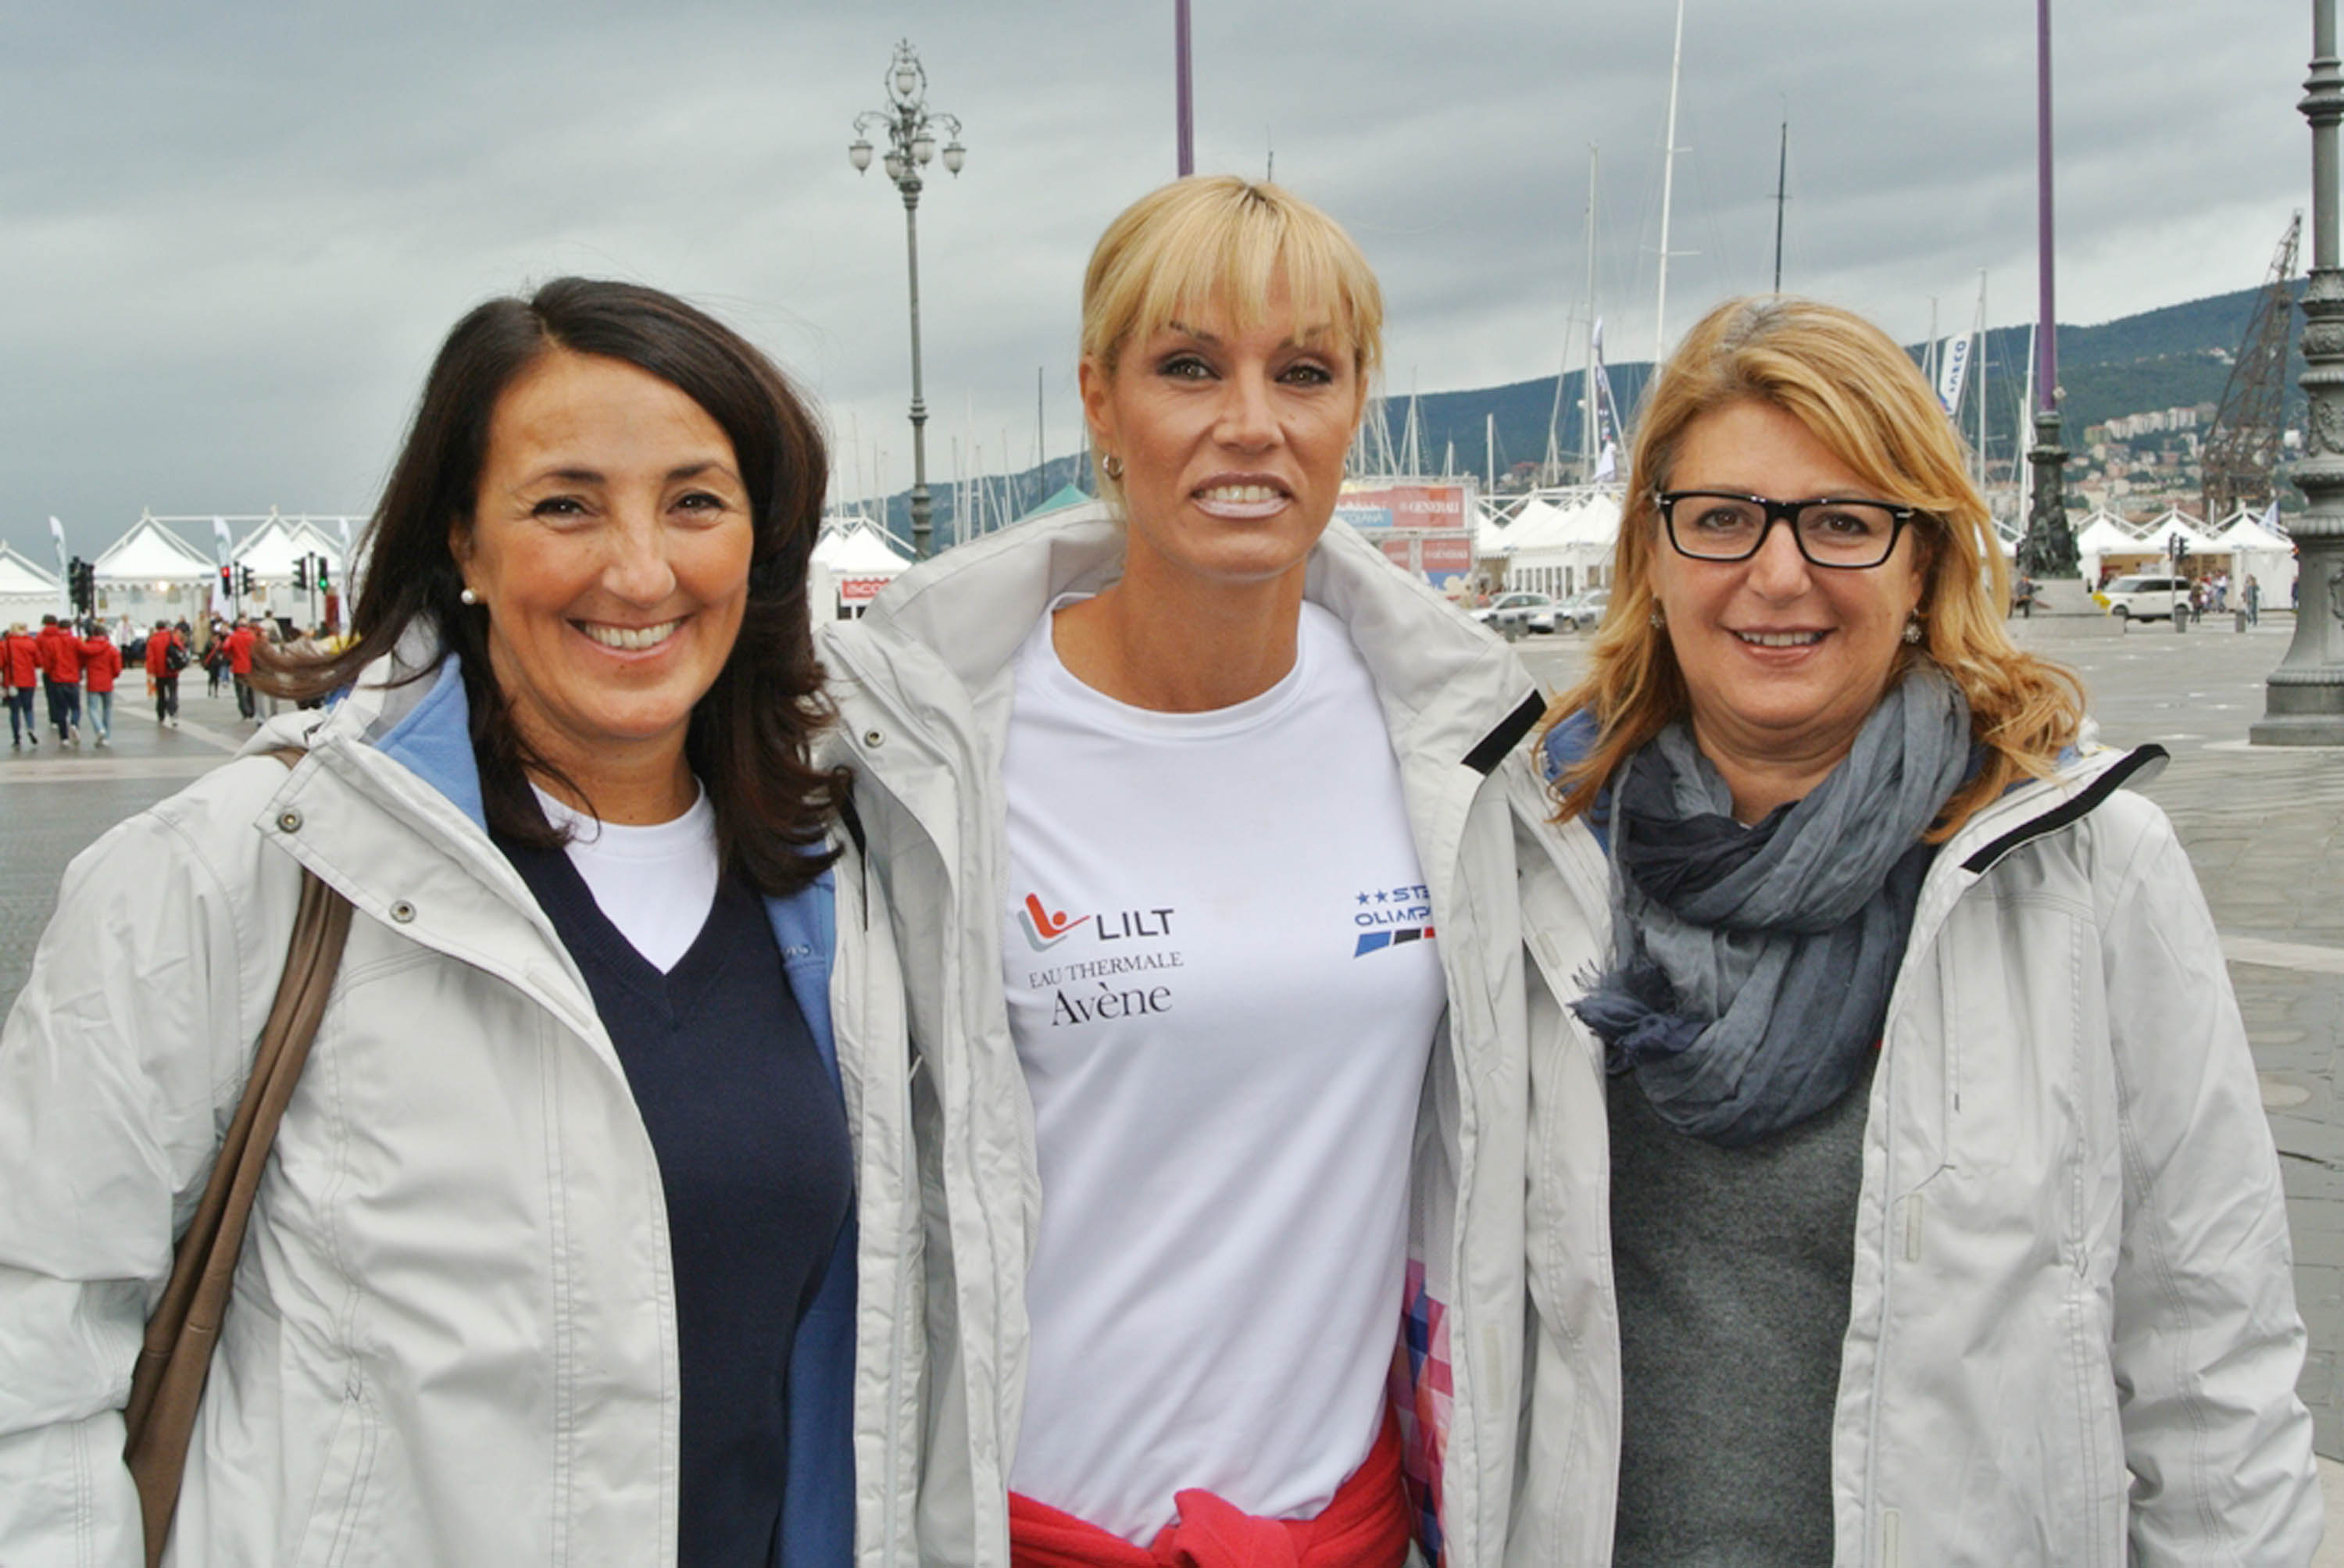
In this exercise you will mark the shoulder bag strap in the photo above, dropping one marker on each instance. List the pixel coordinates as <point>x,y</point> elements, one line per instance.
<point>167,1384</point>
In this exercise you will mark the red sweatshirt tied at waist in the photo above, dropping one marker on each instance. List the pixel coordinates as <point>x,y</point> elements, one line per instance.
<point>1365,1525</point>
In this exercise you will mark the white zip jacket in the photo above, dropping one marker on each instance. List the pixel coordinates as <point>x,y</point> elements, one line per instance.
<point>452,1340</point>
<point>2072,1337</point>
<point>923,684</point>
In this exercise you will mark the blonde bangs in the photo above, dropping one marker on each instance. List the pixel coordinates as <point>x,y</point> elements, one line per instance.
<point>1219,242</point>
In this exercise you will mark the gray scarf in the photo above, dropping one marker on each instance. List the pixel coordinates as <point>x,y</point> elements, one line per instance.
<point>1752,966</point>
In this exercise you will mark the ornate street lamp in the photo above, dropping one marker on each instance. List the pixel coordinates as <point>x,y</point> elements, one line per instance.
<point>911,127</point>
<point>2047,548</point>
<point>2303,701</point>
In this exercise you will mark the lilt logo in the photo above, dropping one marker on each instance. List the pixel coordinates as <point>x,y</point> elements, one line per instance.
<point>1043,929</point>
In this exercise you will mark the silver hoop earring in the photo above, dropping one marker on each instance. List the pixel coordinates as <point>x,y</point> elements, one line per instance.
<point>469,597</point>
<point>1911,629</point>
<point>1113,467</point>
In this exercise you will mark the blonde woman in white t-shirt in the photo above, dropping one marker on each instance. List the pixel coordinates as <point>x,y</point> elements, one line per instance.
<point>1190,823</point>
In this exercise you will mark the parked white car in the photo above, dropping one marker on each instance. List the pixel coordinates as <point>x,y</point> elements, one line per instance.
<point>2143,598</point>
<point>1583,611</point>
<point>1512,613</point>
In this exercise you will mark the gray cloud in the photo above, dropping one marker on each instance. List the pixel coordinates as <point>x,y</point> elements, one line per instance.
<point>234,235</point>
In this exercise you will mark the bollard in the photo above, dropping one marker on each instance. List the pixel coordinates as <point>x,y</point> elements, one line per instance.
<point>2242,619</point>
<point>2180,617</point>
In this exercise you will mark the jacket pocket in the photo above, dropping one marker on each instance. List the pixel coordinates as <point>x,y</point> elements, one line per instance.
<point>340,1505</point>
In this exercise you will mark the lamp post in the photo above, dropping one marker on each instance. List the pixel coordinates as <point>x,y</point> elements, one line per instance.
<point>911,127</point>
<point>2303,699</point>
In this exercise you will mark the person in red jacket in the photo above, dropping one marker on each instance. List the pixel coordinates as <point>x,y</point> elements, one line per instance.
<point>20,672</point>
<point>61,671</point>
<point>240,662</point>
<point>101,662</point>
<point>167,655</point>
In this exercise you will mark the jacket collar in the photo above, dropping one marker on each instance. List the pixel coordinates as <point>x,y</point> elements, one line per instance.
<point>971,607</point>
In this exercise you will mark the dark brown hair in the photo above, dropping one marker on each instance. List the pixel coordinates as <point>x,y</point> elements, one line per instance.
<point>749,736</point>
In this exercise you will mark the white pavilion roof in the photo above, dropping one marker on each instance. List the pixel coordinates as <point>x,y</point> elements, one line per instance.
<point>856,550</point>
<point>2104,533</point>
<point>20,574</point>
<point>150,553</point>
<point>2246,532</point>
<point>271,548</point>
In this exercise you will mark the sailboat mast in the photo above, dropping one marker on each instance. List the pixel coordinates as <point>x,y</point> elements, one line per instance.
<point>1587,372</point>
<point>1490,448</point>
<point>1668,193</point>
<point>1781,196</point>
<point>2025,473</point>
<point>1981,377</point>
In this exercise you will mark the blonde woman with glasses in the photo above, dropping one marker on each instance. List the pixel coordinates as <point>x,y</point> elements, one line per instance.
<point>1945,1224</point>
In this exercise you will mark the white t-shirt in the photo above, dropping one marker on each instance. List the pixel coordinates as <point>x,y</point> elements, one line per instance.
<point>1223,988</point>
<point>655,883</point>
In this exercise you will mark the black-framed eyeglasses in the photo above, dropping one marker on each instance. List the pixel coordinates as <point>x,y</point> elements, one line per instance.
<point>1721,525</point>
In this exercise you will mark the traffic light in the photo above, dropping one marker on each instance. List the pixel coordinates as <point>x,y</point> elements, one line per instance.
<point>227,582</point>
<point>89,587</point>
<point>77,590</point>
<point>301,574</point>
<point>325,581</point>
<point>243,579</point>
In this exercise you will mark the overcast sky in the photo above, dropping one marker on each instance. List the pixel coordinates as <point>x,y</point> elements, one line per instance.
<point>231,236</point>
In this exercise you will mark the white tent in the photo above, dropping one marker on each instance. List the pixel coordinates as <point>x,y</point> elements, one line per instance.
<point>27,592</point>
<point>270,552</point>
<point>850,562</point>
<point>151,575</point>
<point>2104,536</point>
<point>1562,546</point>
<point>2255,551</point>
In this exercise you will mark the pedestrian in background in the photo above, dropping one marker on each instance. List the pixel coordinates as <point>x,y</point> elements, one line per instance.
<point>61,675</point>
<point>1945,1222</point>
<point>101,664</point>
<point>241,637</point>
<point>167,655</point>
<point>20,669</point>
<point>2253,596</point>
<point>215,657</point>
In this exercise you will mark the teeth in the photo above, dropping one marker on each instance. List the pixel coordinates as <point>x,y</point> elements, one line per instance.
<point>634,639</point>
<point>1781,639</point>
<point>1239,493</point>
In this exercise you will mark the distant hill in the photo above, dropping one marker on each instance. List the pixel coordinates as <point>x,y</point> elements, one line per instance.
<point>2168,358</point>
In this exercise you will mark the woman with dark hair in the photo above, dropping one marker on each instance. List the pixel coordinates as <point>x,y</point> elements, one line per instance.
<point>544,1264</point>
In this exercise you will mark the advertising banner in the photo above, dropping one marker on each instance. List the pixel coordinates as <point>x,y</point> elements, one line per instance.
<point>859,590</point>
<point>1370,506</point>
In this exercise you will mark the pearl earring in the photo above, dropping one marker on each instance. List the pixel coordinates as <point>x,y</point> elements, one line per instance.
<point>469,597</point>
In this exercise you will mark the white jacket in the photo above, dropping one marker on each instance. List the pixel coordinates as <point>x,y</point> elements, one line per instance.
<point>923,684</point>
<point>2071,1335</point>
<point>452,1335</point>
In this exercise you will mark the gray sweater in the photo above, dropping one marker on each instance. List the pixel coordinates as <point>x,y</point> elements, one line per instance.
<point>1733,1269</point>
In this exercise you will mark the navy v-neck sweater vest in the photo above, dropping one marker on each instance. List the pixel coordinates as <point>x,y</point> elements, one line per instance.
<point>754,1161</point>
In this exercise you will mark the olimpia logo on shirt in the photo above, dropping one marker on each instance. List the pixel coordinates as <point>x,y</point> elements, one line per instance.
<point>1388,916</point>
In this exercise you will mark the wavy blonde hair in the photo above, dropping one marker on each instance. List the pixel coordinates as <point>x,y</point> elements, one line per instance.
<point>1219,239</point>
<point>1862,397</point>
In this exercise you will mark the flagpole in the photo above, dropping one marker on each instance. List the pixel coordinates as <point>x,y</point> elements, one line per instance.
<point>1184,88</point>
